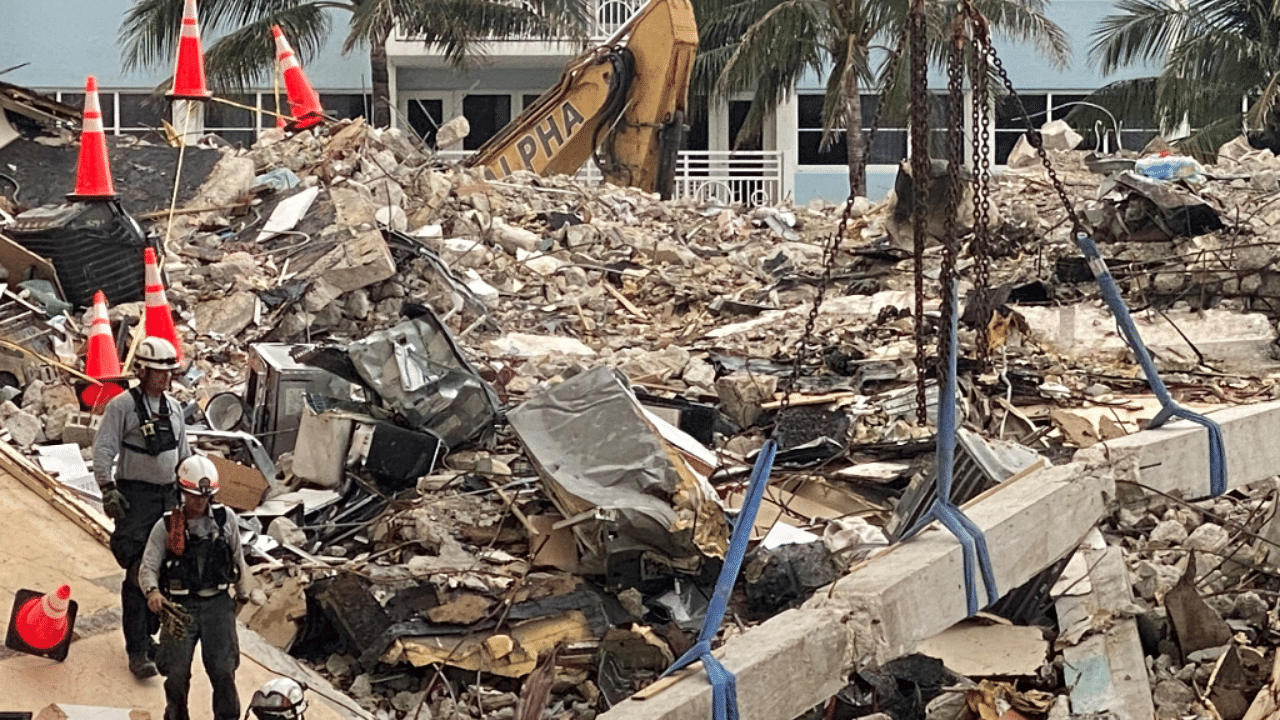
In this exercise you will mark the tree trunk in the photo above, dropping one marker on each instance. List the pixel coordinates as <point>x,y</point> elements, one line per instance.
<point>380,77</point>
<point>855,144</point>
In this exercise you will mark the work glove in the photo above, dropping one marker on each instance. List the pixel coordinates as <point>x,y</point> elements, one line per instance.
<point>113,503</point>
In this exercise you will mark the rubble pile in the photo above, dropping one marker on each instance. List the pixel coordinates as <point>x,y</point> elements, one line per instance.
<point>528,404</point>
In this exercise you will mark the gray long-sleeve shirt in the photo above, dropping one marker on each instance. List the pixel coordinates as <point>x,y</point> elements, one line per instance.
<point>120,425</point>
<point>197,527</point>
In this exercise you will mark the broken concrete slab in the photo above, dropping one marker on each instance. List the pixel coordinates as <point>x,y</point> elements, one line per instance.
<point>360,257</point>
<point>1106,664</point>
<point>1236,340</point>
<point>226,316</point>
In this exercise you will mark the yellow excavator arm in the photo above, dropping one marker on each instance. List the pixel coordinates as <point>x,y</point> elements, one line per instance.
<point>622,103</point>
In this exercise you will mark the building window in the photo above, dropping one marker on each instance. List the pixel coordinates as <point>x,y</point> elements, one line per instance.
<point>106,100</point>
<point>697,136</point>
<point>425,118</point>
<point>347,106</point>
<point>1011,123</point>
<point>234,124</point>
<point>1043,107</point>
<point>141,113</point>
<point>738,110</point>
<point>887,147</point>
<point>809,152</point>
<point>487,114</point>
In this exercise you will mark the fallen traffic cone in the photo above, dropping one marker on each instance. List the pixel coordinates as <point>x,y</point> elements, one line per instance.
<point>41,624</point>
<point>188,75</point>
<point>304,103</point>
<point>159,320</point>
<point>101,361</point>
<point>93,172</point>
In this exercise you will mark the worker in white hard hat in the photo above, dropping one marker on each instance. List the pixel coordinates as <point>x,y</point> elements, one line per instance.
<point>140,442</point>
<point>194,558</point>
<point>279,699</point>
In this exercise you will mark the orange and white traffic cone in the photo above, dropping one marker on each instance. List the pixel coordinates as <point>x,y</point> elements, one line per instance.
<point>304,103</point>
<point>159,320</point>
<point>101,361</point>
<point>93,172</point>
<point>41,623</point>
<point>188,76</point>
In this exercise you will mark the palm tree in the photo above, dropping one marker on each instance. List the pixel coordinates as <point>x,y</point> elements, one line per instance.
<point>1217,56</point>
<point>245,54</point>
<point>766,46</point>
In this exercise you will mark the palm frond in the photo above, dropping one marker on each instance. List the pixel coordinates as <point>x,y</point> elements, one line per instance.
<point>1142,31</point>
<point>782,44</point>
<point>246,56</point>
<point>1025,21</point>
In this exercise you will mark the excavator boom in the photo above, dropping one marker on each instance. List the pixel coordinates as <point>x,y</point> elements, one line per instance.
<point>622,102</point>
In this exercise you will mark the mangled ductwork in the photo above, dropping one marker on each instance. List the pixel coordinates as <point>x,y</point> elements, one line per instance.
<point>417,369</point>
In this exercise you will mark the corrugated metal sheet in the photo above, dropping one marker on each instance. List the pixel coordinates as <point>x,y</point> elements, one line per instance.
<point>92,245</point>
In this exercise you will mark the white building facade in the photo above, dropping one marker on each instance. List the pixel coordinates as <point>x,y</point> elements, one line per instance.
<point>787,164</point>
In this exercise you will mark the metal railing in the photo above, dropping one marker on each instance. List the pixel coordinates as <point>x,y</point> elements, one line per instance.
<point>722,177</point>
<point>609,15</point>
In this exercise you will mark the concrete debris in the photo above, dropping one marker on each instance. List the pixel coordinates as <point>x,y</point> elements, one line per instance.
<point>492,432</point>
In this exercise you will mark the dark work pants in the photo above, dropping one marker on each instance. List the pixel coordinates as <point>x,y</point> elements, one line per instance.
<point>147,504</point>
<point>213,625</point>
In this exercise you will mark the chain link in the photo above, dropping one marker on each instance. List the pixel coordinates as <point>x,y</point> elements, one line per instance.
<point>831,250</point>
<point>955,159</point>
<point>921,176</point>
<point>981,248</point>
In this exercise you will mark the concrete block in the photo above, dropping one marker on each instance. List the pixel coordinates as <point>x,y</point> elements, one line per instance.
<point>1238,340</point>
<point>81,429</point>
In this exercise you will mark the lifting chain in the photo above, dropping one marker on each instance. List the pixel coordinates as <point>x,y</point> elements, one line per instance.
<point>831,250</point>
<point>955,159</point>
<point>981,247</point>
<point>1038,143</point>
<point>921,177</point>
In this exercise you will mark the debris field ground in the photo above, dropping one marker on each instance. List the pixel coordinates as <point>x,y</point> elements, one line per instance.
<point>559,389</point>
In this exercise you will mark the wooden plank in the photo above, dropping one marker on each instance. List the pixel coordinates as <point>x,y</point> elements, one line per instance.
<point>57,494</point>
<point>1106,670</point>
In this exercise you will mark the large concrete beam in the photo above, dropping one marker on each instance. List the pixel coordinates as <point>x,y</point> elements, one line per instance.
<point>883,607</point>
<point>1175,458</point>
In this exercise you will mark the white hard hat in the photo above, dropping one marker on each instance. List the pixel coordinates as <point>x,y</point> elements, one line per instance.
<point>198,475</point>
<point>157,354</point>
<point>279,699</point>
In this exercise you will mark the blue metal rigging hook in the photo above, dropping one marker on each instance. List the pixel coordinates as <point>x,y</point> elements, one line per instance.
<point>1168,408</point>
<point>973,543</point>
<point>724,686</point>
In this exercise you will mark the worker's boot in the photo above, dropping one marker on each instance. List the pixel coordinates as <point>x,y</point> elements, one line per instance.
<point>141,666</point>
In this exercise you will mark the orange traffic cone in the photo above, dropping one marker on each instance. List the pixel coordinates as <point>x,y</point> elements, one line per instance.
<point>158,321</point>
<point>93,173</point>
<point>41,623</point>
<point>101,361</point>
<point>188,75</point>
<point>304,103</point>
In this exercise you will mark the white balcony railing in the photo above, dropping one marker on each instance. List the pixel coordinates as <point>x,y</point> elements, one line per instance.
<point>723,177</point>
<point>609,15</point>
